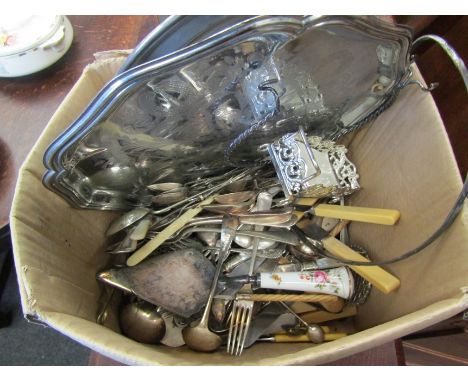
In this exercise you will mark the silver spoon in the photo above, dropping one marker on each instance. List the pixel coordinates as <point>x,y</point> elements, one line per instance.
<point>209,238</point>
<point>239,185</point>
<point>170,197</point>
<point>281,236</point>
<point>200,337</point>
<point>230,208</point>
<point>314,332</point>
<point>127,245</point>
<point>127,219</point>
<point>164,186</point>
<point>141,229</point>
<point>235,197</point>
<point>203,194</point>
<point>141,322</point>
<point>268,219</point>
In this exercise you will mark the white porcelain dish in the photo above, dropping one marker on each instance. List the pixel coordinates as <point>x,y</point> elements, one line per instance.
<point>29,44</point>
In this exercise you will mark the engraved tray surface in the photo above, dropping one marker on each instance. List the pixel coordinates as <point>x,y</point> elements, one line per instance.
<point>172,118</point>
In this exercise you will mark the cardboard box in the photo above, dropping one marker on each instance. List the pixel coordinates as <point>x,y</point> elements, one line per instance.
<point>405,162</point>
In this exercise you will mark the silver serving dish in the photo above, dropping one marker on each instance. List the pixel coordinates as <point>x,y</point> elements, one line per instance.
<point>177,32</point>
<point>174,33</point>
<point>174,119</point>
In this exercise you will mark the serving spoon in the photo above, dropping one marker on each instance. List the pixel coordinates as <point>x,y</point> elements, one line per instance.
<point>200,337</point>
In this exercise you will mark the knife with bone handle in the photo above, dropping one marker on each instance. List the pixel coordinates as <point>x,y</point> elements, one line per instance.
<point>383,216</point>
<point>301,338</point>
<point>377,276</point>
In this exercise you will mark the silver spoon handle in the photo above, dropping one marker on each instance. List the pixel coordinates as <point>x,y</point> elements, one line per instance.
<point>228,233</point>
<point>264,201</point>
<point>293,312</point>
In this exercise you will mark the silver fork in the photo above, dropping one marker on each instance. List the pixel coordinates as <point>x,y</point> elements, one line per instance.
<point>242,310</point>
<point>241,317</point>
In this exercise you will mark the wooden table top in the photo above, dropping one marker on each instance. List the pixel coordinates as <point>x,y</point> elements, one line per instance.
<point>27,103</point>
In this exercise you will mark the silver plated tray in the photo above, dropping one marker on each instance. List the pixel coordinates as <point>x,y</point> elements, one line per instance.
<point>177,32</point>
<point>173,118</point>
<point>174,33</point>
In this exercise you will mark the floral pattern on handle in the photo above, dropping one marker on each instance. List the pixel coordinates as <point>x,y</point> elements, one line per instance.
<point>336,281</point>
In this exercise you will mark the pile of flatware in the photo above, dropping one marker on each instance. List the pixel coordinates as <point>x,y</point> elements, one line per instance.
<point>222,156</point>
<point>245,256</point>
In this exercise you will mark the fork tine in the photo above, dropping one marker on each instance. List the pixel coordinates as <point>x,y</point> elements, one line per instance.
<point>241,316</point>
<point>247,327</point>
<point>235,320</point>
<point>231,328</point>
<point>244,329</point>
<point>241,330</point>
<point>238,328</point>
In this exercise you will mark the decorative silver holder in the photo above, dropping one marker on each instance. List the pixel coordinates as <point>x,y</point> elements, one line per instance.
<point>312,167</point>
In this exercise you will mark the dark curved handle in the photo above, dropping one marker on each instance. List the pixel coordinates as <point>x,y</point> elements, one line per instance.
<point>454,56</point>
